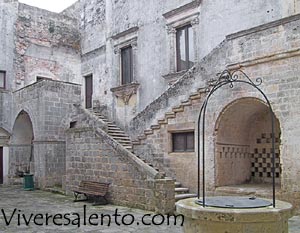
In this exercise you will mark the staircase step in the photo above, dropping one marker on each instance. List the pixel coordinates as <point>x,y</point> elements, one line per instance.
<point>181,190</point>
<point>148,131</point>
<point>178,109</point>
<point>202,90</point>
<point>129,148</point>
<point>155,127</point>
<point>110,124</point>
<point>195,96</point>
<point>177,184</point>
<point>142,137</point>
<point>162,122</point>
<point>115,131</point>
<point>111,128</point>
<point>118,134</point>
<point>136,142</point>
<point>186,103</point>
<point>125,138</point>
<point>184,196</point>
<point>125,144</point>
<point>170,115</point>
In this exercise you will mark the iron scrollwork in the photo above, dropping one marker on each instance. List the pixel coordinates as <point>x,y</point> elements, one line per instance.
<point>227,78</point>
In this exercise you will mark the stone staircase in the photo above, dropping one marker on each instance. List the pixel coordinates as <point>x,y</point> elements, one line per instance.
<point>194,97</point>
<point>115,132</point>
<point>181,192</point>
<point>120,136</point>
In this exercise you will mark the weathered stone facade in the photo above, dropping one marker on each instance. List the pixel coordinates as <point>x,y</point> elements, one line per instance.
<point>45,129</point>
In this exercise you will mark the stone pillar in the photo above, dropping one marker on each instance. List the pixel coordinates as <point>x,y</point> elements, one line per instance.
<point>164,196</point>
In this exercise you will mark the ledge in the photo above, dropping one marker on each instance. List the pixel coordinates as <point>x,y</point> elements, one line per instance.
<point>263,27</point>
<point>124,33</point>
<point>42,82</point>
<point>264,59</point>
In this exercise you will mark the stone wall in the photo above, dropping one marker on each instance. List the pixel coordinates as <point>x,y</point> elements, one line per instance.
<point>50,163</point>
<point>90,157</point>
<point>19,159</point>
<point>8,17</point>
<point>47,45</point>
<point>48,104</point>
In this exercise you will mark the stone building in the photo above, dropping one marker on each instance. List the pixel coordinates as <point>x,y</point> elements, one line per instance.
<point>110,90</point>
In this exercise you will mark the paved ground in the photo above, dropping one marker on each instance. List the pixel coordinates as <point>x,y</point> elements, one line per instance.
<point>45,203</point>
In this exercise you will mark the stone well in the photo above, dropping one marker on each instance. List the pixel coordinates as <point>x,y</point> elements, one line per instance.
<point>228,220</point>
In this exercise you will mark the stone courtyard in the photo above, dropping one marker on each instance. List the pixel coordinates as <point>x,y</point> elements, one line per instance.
<point>46,202</point>
<point>110,91</point>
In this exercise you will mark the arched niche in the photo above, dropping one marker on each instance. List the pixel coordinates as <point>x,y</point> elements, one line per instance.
<point>243,146</point>
<point>21,147</point>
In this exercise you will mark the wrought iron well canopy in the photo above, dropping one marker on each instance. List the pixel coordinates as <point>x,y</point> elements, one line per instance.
<point>227,78</point>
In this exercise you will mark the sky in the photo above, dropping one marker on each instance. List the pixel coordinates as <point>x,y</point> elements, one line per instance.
<point>50,5</point>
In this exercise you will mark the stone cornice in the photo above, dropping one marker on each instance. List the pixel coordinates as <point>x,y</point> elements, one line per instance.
<point>263,27</point>
<point>179,10</point>
<point>125,33</point>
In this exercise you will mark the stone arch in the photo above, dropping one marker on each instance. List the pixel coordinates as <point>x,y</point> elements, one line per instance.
<point>23,129</point>
<point>21,145</point>
<point>243,149</point>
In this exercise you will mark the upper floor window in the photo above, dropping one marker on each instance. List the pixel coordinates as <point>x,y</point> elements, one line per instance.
<point>2,79</point>
<point>185,55</point>
<point>126,65</point>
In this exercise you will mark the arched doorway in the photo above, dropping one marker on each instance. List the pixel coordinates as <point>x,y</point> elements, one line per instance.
<point>243,147</point>
<point>21,147</point>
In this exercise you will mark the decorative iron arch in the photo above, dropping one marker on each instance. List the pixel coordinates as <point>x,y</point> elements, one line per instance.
<point>230,78</point>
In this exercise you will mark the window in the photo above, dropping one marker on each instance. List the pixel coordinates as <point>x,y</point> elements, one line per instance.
<point>2,79</point>
<point>126,65</point>
<point>185,48</point>
<point>183,142</point>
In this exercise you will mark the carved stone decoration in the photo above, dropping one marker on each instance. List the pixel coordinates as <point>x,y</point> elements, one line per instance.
<point>171,29</point>
<point>117,50</point>
<point>195,21</point>
<point>125,92</point>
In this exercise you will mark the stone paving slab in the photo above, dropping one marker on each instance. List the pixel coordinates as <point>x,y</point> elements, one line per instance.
<point>37,202</point>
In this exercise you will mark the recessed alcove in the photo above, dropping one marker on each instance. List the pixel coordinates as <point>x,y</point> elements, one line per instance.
<point>243,147</point>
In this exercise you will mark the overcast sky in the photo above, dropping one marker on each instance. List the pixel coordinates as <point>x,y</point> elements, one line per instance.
<point>50,5</point>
